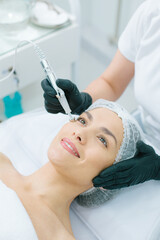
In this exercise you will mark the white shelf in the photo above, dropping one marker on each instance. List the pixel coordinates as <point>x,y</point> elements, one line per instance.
<point>61,49</point>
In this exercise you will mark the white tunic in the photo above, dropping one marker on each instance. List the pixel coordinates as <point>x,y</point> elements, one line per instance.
<point>140,43</point>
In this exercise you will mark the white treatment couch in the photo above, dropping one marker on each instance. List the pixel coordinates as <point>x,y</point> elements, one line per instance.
<point>134,214</point>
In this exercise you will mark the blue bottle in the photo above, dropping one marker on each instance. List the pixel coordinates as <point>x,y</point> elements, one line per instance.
<point>12,106</point>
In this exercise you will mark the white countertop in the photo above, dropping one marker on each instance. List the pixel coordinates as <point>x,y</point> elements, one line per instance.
<point>8,42</point>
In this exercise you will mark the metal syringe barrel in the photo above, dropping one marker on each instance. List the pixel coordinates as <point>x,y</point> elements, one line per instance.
<point>60,93</point>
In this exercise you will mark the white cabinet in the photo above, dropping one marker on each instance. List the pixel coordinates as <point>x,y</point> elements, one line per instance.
<point>127,10</point>
<point>102,23</point>
<point>100,14</point>
<point>60,48</point>
<point>103,14</point>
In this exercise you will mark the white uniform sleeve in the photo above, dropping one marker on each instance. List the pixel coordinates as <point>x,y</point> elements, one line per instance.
<point>129,40</point>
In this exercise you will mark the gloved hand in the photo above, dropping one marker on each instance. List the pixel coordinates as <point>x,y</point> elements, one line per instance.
<point>78,102</point>
<point>144,166</point>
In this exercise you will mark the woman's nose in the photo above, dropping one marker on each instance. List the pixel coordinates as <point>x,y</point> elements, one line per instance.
<point>80,137</point>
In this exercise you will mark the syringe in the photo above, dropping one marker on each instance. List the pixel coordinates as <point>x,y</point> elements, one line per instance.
<point>60,93</point>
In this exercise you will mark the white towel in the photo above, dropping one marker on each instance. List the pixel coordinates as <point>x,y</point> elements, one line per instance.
<point>15,223</point>
<point>133,214</point>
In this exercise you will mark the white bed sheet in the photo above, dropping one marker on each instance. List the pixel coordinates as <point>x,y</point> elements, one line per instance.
<point>133,214</point>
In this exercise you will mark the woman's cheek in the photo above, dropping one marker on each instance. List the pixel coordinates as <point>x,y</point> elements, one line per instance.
<point>103,161</point>
<point>67,126</point>
<point>108,161</point>
<point>52,152</point>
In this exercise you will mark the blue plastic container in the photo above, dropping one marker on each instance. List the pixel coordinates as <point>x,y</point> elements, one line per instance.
<point>12,105</point>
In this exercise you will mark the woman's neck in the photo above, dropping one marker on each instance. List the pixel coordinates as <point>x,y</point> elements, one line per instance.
<point>54,190</point>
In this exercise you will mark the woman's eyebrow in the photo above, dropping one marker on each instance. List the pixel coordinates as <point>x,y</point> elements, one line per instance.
<point>103,129</point>
<point>89,116</point>
<point>106,131</point>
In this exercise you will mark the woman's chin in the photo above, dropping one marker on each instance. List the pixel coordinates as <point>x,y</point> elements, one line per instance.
<point>57,157</point>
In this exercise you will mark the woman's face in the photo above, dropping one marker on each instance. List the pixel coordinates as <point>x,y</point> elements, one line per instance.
<point>82,149</point>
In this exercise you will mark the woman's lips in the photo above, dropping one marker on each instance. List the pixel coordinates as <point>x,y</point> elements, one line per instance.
<point>70,147</point>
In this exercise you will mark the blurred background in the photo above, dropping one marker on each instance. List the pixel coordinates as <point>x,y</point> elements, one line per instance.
<point>79,50</point>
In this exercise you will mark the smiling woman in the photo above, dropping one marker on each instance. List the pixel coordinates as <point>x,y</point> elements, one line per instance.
<point>103,135</point>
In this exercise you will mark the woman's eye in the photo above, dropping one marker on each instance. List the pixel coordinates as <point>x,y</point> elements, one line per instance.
<point>103,141</point>
<point>81,120</point>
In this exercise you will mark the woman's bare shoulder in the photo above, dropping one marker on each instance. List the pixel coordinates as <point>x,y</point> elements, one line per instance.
<point>4,160</point>
<point>8,173</point>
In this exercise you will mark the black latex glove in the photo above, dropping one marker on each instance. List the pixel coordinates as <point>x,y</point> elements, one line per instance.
<point>144,166</point>
<point>78,102</point>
